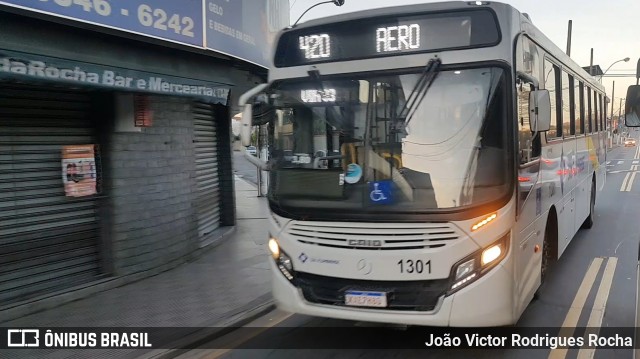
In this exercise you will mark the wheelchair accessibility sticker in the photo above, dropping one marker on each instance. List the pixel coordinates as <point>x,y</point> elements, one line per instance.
<point>380,192</point>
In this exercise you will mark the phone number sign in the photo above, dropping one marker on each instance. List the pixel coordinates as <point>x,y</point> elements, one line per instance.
<point>178,21</point>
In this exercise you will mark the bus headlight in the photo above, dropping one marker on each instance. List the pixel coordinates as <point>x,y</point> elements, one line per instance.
<point>283,261</point>
<point>491,254</point>
<point>274,248</point>
<point>477,264</point>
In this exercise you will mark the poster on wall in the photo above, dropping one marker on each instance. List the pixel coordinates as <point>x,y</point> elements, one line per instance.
<point>79,170</point>
<point>142,111</point>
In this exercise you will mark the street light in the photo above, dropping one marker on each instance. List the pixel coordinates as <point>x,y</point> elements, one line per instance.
<point>626,59</point>
<point>620,123</point>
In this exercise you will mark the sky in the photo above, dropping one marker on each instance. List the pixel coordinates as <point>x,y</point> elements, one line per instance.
<point>605,26</point>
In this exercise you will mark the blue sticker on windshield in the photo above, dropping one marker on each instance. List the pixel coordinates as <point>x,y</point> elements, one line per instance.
<point>380,192</point>
<point>354,173</point>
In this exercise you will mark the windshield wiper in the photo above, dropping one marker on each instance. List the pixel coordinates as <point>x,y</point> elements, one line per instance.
<point>421,88</point>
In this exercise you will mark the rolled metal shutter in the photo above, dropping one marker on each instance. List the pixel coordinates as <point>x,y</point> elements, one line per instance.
<point>48,241</point>
<point>206,157</point>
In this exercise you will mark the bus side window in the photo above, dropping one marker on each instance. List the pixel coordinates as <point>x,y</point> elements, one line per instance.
<point>529,146</point>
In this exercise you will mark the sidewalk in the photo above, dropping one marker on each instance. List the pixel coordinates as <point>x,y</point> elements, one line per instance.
<point>228,285</point>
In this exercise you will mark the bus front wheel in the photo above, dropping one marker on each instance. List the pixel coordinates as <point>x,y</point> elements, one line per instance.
<point>546,256</point>
<point>548,252</point>
<point>588,223</point>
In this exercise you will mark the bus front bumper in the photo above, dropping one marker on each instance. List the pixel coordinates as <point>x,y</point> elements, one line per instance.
<point>484,303</point>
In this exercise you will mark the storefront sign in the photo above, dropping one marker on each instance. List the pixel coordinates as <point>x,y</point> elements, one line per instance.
<point>15,64</point>
<point>245,28</point>
<point>79,170</point>
<point>177,21</point>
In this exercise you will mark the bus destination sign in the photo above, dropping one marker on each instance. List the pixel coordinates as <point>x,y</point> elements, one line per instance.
<point>387,36</point>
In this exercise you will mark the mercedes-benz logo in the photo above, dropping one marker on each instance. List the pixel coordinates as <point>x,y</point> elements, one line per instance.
<point>364,266</point>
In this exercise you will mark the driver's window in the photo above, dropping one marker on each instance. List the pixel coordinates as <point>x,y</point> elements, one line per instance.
<point>528,142</point>
<point>529,145</point>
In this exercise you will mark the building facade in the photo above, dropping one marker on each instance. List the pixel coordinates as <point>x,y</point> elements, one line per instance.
<point>115,152</point>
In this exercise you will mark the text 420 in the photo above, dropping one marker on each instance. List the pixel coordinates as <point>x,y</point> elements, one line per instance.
<point>315,46</point>
<point>417,266</point>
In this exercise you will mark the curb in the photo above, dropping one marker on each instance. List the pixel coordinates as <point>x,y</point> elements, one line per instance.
<point>212,332</point>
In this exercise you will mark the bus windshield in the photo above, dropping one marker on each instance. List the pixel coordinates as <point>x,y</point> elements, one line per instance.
<point>340,144</point>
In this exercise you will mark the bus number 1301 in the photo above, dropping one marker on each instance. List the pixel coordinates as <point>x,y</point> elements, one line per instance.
<point>417,266</point>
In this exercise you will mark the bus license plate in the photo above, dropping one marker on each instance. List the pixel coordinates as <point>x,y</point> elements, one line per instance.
<point>365,299</point>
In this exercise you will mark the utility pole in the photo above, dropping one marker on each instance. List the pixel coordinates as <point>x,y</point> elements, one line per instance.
<point>619,110</point>
<point>613,92</point>
<point>591,64</point>
<point>619,123</point>
<point>569,39</point>
<point>620,114</point>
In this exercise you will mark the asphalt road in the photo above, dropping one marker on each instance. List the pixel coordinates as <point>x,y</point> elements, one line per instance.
<point>593,284</point>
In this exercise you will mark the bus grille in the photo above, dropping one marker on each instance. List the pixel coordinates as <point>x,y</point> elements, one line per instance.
<point>374,236</point>
<point>401,295</point>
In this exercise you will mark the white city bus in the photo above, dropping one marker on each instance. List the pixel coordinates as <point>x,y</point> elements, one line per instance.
<point>427,163</point>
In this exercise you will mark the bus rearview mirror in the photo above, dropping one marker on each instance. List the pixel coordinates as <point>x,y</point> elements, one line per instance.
<point>544,110</point>
<point>262,112</point>
<point>632,107</point>
<point>539,110</point>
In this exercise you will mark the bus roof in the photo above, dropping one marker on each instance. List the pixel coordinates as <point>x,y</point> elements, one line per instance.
<point>507,16</point>
<point>396,10</point>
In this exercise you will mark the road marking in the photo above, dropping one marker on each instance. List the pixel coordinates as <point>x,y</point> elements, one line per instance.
<point>597,313</point>
<point>635,162</point>
<point>620,162</point>
<point>627,183</point>
<point>571,320</point>
<point>623,188</point>
<point>631,179</point>
<point>608,162</point>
